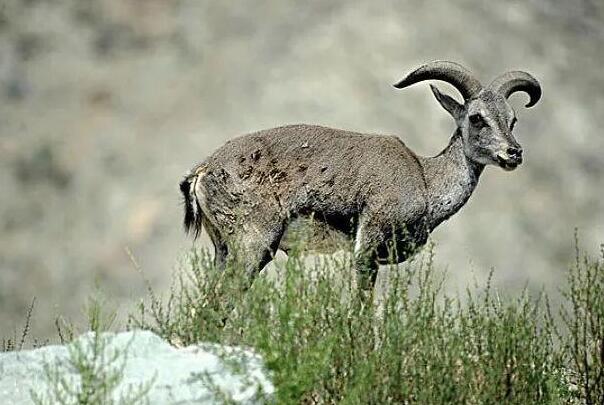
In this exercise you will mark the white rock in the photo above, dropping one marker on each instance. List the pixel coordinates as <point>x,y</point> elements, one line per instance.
<point>199,374</point>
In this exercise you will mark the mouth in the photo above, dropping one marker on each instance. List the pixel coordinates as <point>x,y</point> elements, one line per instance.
<point>507,163</point>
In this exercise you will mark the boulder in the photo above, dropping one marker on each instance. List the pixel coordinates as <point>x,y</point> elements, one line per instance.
<point>138,365</point>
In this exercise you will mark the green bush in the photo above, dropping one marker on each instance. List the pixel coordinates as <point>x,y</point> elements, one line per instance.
<point>583,320</point>
<point>325,342</point>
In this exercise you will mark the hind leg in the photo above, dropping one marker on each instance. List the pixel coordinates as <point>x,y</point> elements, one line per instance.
<point>255,246</point>
<point>221,251</point>
<point>251,245</point>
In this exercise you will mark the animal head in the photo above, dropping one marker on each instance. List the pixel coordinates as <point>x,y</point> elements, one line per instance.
<point>485,119</point>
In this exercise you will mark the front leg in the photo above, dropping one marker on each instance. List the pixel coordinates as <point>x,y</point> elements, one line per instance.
<point>365,256</point>
<point>382,238</point>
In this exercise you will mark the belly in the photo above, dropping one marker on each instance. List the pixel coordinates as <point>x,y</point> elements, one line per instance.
<point>311,235</point>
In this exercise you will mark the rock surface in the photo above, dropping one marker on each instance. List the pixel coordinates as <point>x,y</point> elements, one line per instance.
<point>145,365</point>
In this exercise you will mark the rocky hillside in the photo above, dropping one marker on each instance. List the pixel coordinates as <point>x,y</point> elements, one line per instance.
<point>104,104</point>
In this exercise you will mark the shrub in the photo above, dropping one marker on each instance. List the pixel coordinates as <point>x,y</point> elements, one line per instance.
<point>325,342</point>
<point>583,321</point>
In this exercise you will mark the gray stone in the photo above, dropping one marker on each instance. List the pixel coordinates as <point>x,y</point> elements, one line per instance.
<point>143,363</point>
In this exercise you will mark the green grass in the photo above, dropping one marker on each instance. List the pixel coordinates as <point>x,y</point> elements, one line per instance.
<point>324,341</point>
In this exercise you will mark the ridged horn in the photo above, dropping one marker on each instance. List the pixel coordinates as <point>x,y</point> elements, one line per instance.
<point>449,72</point>
<point>511,82</point>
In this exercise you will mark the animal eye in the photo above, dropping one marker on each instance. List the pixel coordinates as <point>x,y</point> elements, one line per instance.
<point>477,120</point>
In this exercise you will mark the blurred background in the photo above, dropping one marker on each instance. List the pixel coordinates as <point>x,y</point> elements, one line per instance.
<point>105,104</point>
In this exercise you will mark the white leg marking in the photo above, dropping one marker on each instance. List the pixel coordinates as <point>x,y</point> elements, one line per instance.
<point>357,240</point>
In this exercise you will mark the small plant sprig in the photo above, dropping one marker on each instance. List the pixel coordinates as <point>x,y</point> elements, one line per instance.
<point>14,343</point>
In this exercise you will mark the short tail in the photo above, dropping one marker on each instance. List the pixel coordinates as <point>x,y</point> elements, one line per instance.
<point>193,214</point>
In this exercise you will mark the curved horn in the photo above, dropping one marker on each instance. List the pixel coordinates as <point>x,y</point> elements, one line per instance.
<point>450,72</point>
<point>511,82</point>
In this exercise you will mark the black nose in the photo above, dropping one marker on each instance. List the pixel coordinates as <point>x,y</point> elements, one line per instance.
<point>515,151</point>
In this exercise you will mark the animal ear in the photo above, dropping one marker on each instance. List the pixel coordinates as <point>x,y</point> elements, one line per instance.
<point>448,103</point>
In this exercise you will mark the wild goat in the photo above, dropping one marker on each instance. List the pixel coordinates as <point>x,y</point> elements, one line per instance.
<point>371,189</point>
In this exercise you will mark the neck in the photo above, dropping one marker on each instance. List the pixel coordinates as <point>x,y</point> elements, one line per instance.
<point>450,180</point>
